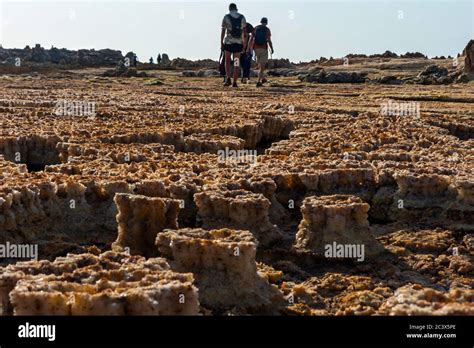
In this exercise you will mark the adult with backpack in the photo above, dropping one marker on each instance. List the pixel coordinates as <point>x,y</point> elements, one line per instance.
<point>233,40</point>
<point>261,41</point>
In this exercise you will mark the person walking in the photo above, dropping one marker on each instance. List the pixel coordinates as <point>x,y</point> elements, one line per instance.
<point>246,57</point>
<point>260,42</point>
<point>233,40</point>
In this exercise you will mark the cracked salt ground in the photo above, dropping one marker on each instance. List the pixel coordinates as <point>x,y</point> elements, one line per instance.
<point>334,170</point>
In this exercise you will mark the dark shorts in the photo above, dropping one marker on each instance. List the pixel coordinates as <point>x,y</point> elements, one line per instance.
<point>234,48</point>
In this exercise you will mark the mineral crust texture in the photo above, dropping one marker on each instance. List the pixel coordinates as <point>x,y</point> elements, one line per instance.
<point>223,264</point>
<point>140,219</point>
<point>106,284</point>
<point>294,172</point>
<point>417,300</point>
<point>340,219</point>
<point>238,209</point>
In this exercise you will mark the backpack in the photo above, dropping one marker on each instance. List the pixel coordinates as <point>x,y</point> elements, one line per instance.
<point>236,23</point>
<point>261,35</point>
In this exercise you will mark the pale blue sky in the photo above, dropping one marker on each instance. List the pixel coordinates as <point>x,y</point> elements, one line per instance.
<point>302,30</point>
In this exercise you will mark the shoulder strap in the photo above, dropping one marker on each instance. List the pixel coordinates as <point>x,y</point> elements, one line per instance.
<point>239,18</point>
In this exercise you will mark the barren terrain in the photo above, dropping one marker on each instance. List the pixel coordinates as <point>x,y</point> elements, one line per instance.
<point>227,198</point>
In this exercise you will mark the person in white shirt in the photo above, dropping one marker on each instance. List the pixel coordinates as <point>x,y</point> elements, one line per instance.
<point>233,42</point>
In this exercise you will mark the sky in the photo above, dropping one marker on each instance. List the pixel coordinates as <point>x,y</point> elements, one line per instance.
<point>302,30</point>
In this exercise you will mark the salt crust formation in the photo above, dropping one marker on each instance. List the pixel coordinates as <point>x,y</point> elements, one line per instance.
<point>434,196</point>
<point>106,284</point>
<point>59,174</point>
<point>223,264</point>
<point>340,219</point>
<point>140,219</point>
<point>417,300</point>
<point>237,209</point>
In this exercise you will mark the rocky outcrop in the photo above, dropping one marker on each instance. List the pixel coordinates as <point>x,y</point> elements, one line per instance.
<point>104,57</point>
<point>205,64</point>
<point>413,55</point>
<point>321,76</point>
<point>433,74</point>
<point>386,54</point>
<point>286,72</point>
<point>434,70</point>
<point>280,63</point>
<point>165,60</point>
<point>82,57</point>
<point>468,53</point>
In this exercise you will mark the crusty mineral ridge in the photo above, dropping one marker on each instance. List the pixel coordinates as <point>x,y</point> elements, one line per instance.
<point>211,143</point>
<point>223,264</point>
<point>107,284</point>
<point>414,299</point>
<point>340,219</point>
<point>256,184</point>
<point>37,150</point>
<point>341,294</point>
<point>166,293</point>
<point>237,209</point>
<point>59,173</point>
<point>425,196</point>
<point>140,219</point>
